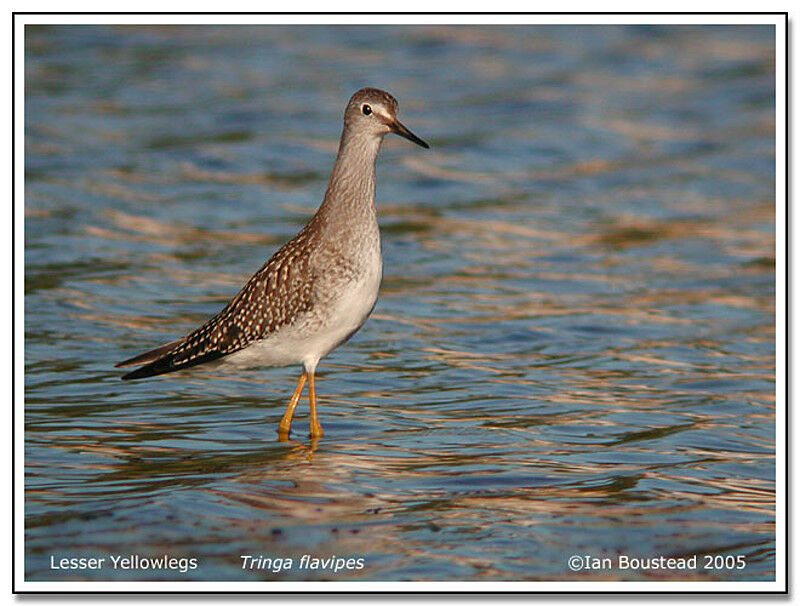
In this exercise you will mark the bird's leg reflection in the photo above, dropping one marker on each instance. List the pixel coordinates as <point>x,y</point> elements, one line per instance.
<point>299,447</point>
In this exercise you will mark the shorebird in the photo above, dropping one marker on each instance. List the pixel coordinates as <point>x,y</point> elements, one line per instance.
<point>318,289</point>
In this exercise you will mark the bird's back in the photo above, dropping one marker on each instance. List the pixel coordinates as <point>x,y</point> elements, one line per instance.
<point>273,298</point>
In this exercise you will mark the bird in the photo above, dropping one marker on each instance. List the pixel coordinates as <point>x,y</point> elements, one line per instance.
<point>315,291</point>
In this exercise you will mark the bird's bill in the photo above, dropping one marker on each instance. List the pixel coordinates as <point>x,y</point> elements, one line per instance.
<point>398,128</point>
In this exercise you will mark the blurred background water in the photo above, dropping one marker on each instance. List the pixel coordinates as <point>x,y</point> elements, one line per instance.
<point>573,351</point>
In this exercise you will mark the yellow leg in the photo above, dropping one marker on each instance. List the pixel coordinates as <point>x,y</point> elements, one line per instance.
<point>316,428</point>
<point>286,422</point>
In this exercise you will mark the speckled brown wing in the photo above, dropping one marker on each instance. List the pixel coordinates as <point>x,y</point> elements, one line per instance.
<point>271,299</point>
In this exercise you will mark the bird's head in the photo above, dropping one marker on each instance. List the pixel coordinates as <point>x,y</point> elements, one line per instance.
<point>374,111</point>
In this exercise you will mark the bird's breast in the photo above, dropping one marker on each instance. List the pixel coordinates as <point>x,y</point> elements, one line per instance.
<point>348,287</point>
<point>345,291</point>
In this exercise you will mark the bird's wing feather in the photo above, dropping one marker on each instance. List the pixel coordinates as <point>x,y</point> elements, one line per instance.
<point>149,356</point>
<point>271,299</point>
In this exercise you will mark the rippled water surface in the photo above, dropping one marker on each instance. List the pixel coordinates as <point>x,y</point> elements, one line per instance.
<point>573,351</point>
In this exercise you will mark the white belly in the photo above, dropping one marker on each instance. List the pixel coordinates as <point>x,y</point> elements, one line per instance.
<point>319,331</point>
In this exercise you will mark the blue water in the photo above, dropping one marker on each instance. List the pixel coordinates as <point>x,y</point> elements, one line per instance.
<point>573,351</point>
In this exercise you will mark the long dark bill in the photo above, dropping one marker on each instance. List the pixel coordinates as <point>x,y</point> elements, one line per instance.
<point>398,128</point>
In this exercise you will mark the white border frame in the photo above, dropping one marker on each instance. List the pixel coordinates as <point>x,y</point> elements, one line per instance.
<point>329,587</point>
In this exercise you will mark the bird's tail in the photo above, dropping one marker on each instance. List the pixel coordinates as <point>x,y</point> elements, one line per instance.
<point>147,359</point>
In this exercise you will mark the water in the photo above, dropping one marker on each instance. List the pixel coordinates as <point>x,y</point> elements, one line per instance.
<point>573,351</point>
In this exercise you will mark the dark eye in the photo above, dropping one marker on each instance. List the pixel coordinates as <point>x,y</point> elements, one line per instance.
<point>366,109</point>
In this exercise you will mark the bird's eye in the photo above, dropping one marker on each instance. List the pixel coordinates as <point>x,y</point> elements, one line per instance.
<point>366,109</point>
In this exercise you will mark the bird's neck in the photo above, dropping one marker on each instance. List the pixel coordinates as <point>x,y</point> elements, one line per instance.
<point>351,190</point>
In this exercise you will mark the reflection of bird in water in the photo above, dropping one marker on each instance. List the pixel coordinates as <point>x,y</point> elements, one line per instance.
<point>327,491</point>
<point>319,288</point>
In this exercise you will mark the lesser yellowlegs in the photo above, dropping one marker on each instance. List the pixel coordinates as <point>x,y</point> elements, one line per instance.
<point>315,291</point>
